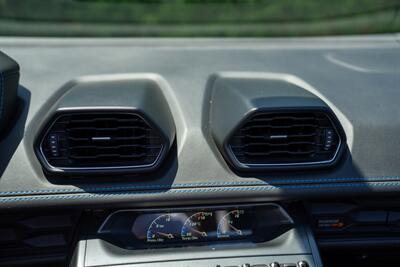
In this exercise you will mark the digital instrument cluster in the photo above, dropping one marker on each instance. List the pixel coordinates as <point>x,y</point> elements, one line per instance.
<point>135,228</point>
<point>198,226</point>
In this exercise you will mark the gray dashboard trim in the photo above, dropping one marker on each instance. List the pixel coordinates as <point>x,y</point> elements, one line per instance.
<point>282,181</point>
<point>337,42</point>
<point>365,103</point>
<point>94,196</point>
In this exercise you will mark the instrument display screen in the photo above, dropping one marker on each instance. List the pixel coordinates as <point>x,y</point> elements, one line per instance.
<point>157,228</point>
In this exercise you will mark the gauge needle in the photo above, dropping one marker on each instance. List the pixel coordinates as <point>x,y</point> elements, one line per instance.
<point>235,229</point>
<point>201,233</point>
<point>169,236</point>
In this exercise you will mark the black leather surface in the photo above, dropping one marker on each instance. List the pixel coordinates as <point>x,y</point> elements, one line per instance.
<point>9,77</point>
<point>358,77</point>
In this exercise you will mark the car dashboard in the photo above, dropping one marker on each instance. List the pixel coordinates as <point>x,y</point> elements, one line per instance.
<point>265,152</point>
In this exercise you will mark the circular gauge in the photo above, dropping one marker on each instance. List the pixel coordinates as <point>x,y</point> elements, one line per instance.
<point>196,227</point>
<point>160,230</point>
<point>232,225</point>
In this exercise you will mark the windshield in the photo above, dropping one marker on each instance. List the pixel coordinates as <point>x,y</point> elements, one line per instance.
<point>187,18</point>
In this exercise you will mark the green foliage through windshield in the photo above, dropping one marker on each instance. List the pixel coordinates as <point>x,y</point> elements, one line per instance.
<point>248,18</point>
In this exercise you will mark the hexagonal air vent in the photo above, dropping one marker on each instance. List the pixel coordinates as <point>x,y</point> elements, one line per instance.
<point>100,141</point>
<point>284,138</point>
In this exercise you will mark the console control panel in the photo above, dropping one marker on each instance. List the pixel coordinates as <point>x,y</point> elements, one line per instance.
<point>302,263</point>
<point>237,235</point>
<point>263,261</point>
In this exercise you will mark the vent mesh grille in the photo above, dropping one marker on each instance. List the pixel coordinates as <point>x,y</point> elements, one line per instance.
<point>285,138</point>
<point>91,140</point>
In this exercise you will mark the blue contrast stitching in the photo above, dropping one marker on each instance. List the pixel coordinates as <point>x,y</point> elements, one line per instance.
<point>186,185</point>
<point>201,190</point>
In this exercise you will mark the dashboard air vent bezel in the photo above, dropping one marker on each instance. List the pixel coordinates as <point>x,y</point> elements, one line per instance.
<point>100,169</point>
<point>238,165</point>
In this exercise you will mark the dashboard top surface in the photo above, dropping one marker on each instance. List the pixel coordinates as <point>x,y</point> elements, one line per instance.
<point>359,77</point>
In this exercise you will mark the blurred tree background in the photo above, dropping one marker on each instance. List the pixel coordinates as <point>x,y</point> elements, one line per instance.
<point>168,18</point>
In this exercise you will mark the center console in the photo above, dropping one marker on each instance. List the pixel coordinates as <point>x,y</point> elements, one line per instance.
<point>257,235</point>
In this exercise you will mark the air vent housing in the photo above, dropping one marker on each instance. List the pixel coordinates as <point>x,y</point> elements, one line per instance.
<point>273,121</point>
<point>284,138</point>
<point>101,141</point>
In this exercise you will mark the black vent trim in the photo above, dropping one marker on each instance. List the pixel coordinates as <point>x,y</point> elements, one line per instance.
<point>101,141</point>
<point>285,138</point>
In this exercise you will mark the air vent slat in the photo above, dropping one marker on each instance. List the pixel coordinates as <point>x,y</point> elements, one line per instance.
<point>114,147</point>
<point>101,140</point>
<point>96,120</point>
<point>116,138</point>
<point>251,127</point>
<point>278,152</point>
<point>112,156</point>
<point>248,145</point>
<point>276,138</point>
<point>288,136</point>
<point>70,129</point>
<point>272,117</point>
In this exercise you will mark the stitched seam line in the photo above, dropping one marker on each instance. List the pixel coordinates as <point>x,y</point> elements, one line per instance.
<point>186,185</point>
<point>202,190</point>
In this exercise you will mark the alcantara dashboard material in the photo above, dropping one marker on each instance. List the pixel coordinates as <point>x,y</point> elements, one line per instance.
<point>358,78</point>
